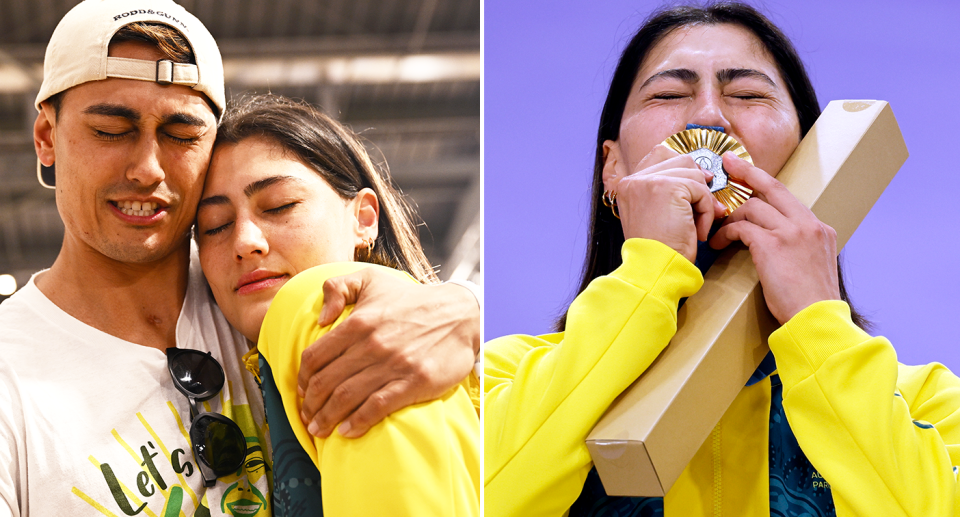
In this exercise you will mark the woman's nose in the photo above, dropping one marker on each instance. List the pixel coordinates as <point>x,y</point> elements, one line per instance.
<point>250,239</point>
<point>708,111</point>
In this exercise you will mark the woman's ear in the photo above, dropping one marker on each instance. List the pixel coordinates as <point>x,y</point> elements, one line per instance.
<point>613,167</point>
<point>44,134</point>
<point>366,209</point>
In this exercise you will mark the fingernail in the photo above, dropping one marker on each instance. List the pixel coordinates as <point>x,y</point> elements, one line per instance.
<point>314,429</point>
<point>344,429</point>
<point>300,392</point>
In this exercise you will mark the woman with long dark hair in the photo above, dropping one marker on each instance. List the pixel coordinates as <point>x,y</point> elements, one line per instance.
<point>291,199</point>
<point>830,424</point>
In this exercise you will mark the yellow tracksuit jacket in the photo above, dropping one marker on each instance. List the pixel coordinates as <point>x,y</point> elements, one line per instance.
<point>885,436</point>
<point>423,460</point>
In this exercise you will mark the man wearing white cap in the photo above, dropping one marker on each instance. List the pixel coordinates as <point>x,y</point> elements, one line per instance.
<point>98,411</point>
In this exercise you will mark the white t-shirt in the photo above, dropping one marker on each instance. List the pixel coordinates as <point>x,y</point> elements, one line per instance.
<point>91,424</point>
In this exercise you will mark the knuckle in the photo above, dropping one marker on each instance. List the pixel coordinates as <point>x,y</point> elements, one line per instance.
<point>702,187</point>
<point>377,345</point>
<point>363,322</point>
<point>308,357</point>
<point>309,407</point>
<point>812,231</point>
<point>331,284</point>
<point>341,394</point>
<point>831,233</point>
<point>687,161</point>
<point>315,385</point>
<point>653,185</point>
<point>793,233</point>
<point>776,186</point>
<point>421,372</point>
<point>377,403</point>
<point>403,361</point>
<point>322,420</point>
<point>628,183</point>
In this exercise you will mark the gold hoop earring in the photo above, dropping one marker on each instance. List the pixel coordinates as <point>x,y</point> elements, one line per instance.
<point>610,200</point>
<point>364,252</point>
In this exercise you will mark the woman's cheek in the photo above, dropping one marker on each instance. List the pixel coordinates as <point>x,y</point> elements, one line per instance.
<point>215,269</point>
<point>645,129</point>
<point>778,135</point>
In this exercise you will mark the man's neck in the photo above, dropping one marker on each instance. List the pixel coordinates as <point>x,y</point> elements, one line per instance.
<point>139,303</point>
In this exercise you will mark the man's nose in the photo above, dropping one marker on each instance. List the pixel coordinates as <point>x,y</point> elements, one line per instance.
<point>145,167</point>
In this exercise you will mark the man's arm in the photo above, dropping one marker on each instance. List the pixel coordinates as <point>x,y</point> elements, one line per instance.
<point>403,343</point>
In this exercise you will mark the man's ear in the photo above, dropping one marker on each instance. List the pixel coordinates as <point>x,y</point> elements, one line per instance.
<point>44,134</point>
<point>366,208</point>
<point>613,167</point>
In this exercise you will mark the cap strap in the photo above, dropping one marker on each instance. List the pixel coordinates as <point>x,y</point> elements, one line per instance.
<point>162,71</point>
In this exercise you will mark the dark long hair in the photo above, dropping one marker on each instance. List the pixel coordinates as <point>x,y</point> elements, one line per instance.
<point>338,156</point>
<point>606,234</point>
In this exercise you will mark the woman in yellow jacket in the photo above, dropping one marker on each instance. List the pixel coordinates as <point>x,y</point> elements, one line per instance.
<point>830,424</point>
<point>292,199</point>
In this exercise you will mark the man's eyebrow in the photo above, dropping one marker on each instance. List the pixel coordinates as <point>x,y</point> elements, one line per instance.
<point>728,75</point>
<point>113,110</point>
<point>259,185</point>
<point>684,74</point>
<point>184,118</point>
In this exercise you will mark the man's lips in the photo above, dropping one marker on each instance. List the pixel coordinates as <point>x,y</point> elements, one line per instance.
<point>139,212</point>
<point>259,279</point>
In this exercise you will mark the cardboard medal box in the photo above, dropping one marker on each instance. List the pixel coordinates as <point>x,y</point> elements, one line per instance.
<point>648,435</point>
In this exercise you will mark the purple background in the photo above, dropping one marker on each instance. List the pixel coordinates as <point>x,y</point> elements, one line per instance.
<point>546,72</point>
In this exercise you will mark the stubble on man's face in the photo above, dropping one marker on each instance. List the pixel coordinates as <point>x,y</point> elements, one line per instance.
<point>131,158</point>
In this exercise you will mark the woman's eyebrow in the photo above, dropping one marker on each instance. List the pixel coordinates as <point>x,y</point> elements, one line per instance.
<point>249,190</point>
<point>728,75</point>
<point>259,185</point>
<point>212,200</point>
<point>684,74</point>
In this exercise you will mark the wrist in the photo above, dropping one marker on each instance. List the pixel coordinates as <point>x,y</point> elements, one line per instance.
<point>474,298</point>
<point>813,335</point>
<point>658,269</point>
<point>474,289</point>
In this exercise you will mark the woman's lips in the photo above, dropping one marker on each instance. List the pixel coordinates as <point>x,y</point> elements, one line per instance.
<point>258,281</point>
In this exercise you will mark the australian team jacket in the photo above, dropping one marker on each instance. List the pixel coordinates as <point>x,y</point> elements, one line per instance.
<point>886,437</point>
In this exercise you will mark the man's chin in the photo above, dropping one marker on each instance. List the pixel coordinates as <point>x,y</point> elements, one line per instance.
<point>146,251</point>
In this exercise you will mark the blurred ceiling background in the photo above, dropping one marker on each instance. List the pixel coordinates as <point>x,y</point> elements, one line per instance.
<point>403,73</point>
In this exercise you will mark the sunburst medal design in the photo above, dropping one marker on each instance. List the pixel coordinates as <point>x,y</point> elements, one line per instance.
<point>706,147</point>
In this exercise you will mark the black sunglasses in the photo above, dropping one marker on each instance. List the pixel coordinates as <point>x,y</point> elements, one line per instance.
<point>218,442</point>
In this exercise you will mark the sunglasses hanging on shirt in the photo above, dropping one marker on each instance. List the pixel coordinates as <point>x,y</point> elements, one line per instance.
<point>218,443</point>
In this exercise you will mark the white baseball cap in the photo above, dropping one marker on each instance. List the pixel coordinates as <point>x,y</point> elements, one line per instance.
<point>77,53</point>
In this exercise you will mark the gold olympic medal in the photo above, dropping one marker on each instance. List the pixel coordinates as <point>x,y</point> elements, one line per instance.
<point>706,146</point>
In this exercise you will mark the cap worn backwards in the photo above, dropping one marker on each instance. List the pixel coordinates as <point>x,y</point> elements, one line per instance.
<point>77,53</point>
